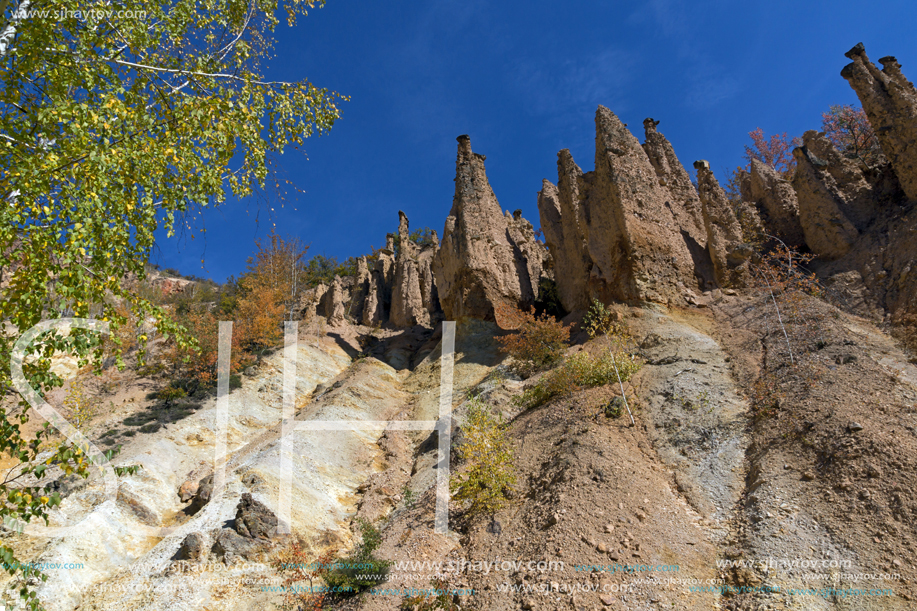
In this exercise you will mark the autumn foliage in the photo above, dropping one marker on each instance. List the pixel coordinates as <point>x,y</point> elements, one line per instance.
<point>268,293</point>
<point>298,569</point>
<point>776,151</point>
<point>540,342</point>
<point>848,129</point>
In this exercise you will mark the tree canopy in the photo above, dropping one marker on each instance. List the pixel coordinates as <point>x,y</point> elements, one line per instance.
<point>116,120</point>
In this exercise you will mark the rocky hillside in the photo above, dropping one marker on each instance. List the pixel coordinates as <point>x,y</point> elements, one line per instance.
<point>768,465</point>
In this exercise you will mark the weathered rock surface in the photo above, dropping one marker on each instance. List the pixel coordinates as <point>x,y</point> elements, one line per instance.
<point>533,260</point>
<point>564,230</point>
<point>333,302</point>
<point>193,547</point>
<point>856,195</point>
<point>253,519</point>
<point>374,308</point>
<point>229,544</point>
<point>360,290</point>
<point>684,202</point>
<point>202,494</point>
<point>413,298</point>
<point>828,233</point>
<point>187,491</point>
<point>379,293</point>
<point>310,303</point>
<point>725,243</point>
<point>478,264</point>
<point>776,199</point>
<point>890,102</point>
<point>640,247</point>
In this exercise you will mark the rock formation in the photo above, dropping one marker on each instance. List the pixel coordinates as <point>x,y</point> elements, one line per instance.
<point>855,193</point>
<point>828,232</point>
<point>633,219</point>
<point>413,288</point>
<point>360,289</point>
<point>479,264</point>
<point>776,199</point>
<point>379,292</point>
<point>684,202</point>
<point>724,234</point>
<point>253,519</point>
<point>890,102</point>
<point>532,258</point>
<point>564,232</point>
<point>333,302</point>
<point>310,303</point>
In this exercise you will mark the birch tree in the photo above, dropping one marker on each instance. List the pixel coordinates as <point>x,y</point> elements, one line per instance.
<point>117,119</point>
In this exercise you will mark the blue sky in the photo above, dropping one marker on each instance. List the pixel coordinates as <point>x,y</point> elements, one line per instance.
<point>523,79</point>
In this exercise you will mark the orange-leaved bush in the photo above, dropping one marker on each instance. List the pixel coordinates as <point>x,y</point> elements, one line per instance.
<point>539,343</point>
<point>270,291</point>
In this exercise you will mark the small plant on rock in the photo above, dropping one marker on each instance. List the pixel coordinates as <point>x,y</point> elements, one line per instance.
<point>360,569</point>
<point>408,495</point>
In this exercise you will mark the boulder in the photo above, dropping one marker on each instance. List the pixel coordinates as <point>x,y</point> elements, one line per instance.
<point>193,547</point>
<point>202,495</point>
<point>890,102</point>
<point>254,520</point>
<point>187,491</point>
<point>478,265</point>
<point>229,545</point>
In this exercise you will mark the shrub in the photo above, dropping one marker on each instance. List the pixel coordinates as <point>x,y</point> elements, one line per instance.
<point>600,320</point>
<point>776,151</point>
<point>360,569</point>
<point>490,456</point>
<point>540,342</point>
<point>293,563</point>
<point>849,130</point>
<point>603,321</point>
<point>148,371</point>
<point>579,371</point>
<point>170,393</point>
<point>781,274</point>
